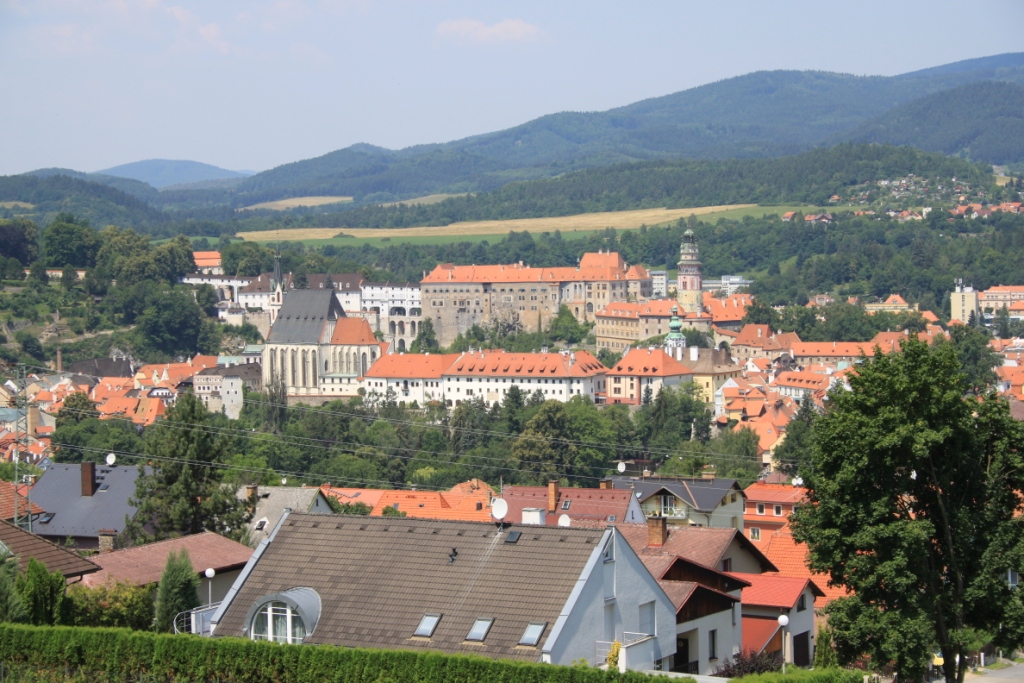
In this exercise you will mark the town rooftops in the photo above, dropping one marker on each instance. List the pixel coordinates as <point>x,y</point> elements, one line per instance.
<point>702,545</point>
<point>475,507</point>
<point>593,507</point>
<point>353,331</point>
<point>144,564</point>
<point>60,491</point>
<point>761,492</point>
<point>303,315</point>
<point>702,494</point>
<point>11,499</point>
<point>377,577</point>
<point>593,266</point>
<point>26,546</point>
<point>790,558</point>
<point>658,308</point>
<point>411,365</point>
<point>730,309</point>
<point>773,590</point>
<point>502,364</point>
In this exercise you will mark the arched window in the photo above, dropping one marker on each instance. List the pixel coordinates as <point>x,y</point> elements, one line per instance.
<point>278,622</point>
<point>314,368</point>
<point>305,362</point>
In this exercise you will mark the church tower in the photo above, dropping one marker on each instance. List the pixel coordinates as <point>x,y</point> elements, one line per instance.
<point>689,283</point>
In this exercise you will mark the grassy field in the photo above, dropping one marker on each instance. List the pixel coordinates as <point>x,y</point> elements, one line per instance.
<point>283,204</point>
<point>16,205</point>
<point>429,199</point>
<point>588,222</point>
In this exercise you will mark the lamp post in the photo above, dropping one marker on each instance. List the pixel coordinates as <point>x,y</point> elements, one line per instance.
<point>210,573</point>
<point>783,622</point>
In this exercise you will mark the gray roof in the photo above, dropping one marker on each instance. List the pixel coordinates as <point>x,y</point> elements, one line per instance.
<point>376,577</point>
<point>59,491</point>
<point>103,367</point>
<point>702,494</point>
<point>270,504</point>
<point>302,317</point>
<point>246,371</point>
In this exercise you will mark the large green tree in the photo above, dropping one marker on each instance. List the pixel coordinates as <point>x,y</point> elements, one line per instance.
<point>794,453</point>
<point>913,491</point>
<point>182,491</point>
<point>70,241</point>
<point>42,594</point>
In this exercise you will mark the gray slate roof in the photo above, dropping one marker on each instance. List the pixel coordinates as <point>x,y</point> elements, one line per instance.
<point>59,491</point>
<point>701,494</point>
<point>270,504</point>
<point>103,367</point>
<point>302,317</point>
<point>377,577</point>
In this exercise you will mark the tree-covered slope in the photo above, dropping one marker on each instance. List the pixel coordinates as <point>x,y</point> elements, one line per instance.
<point>982,121</point>
<point>763,114</point>
<point>98,203</point>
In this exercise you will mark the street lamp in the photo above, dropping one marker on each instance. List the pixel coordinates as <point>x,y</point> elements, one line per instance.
<point>783,622</point>
<point>210,573</point>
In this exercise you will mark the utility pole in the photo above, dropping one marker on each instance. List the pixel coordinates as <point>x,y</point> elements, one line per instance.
<point>20,403</point>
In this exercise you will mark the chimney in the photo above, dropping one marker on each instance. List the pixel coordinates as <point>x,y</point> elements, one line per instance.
<point>107,537</point>
<point>32,418</point>
<point>708,472</point>
<point>60,361</point>
<point>694,354</point>
<point>605,484</point>
<point>657,532</point>
<point>252,492</point>
<point>552,495</point>
<point>535,516</point>
<point>88,477</point>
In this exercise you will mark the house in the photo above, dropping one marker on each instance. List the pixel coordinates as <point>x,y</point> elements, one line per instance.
<point>528,593</point>
<point>222,389</point>
<point>208,262</point>
<point>765,598</point>
<point>467,501</point>
<point>642,370</point>
<point>548,505</point>
<point>727,312</point>
<point>788,216</point>
<point>143,565</point>
<point>768,509</point>
<point>87,503</point>
<point>621,324</point>
<point>267,504</point>
<point>759,341</point>
<point>411,377</point>
<point>26,546</point>
<point>893,304</point>
<point>488,375</point>
<point>685,501</point>
<point>711,369</point>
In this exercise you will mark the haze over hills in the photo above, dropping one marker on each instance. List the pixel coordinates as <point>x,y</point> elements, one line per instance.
<point>165,172</point>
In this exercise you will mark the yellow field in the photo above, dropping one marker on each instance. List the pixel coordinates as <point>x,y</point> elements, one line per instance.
<point>282,204</point>
<point>16,205</point>
<point>429,199</point>
<point>621,220</point>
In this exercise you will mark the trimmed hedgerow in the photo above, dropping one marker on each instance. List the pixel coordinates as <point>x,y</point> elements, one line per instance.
<point>121,655</point>
<point>797,675</point>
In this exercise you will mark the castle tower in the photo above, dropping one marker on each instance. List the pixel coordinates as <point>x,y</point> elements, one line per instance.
<point>675,341</point>
<point>689,283</point>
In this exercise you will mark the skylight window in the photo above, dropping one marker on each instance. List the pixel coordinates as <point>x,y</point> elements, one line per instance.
<point>532,634</point>
<point>427,625</point>
<point>480,629</point>
<point>565,504</point>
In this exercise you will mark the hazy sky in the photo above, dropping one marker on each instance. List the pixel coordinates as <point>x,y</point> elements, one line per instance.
<point>251,84</point>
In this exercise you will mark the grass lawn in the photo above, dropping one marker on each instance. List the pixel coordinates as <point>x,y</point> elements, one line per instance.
<point>994,666</point>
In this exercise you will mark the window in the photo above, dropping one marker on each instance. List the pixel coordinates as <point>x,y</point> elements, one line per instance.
<point>760,508</point>
<point>1012,579</point>
<point>480,629</point>
<point>713,644</point>
<point>532,634</point>
<point>778,510</point>
<point>727,564</point>
<point>801,603</point>
<point>565,504</point>
<point>277,622</point>
<point>755,534</point>
<point>427,625</point>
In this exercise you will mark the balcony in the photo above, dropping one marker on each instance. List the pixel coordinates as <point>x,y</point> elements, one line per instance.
<point>196,621</point>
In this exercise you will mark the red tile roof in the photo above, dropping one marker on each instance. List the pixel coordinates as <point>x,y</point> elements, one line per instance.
<point>703,545</point>
<point>758,632</point>
<point>206,259</point>
<point>657,308</point>
<point>411,365</point>
<point>775,590</point>
<point>585,504</point>
<point>727,309</point>
<point>791,559</point>
<point>760,492</point>
<point>641,362</point>
<point>9,496</point>
<point>501,364</point>
<point>437,505</point>
<point>352,331</point>
<point>143,565</point>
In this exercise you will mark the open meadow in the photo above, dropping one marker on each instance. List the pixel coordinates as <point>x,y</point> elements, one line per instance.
<point>294,202</point>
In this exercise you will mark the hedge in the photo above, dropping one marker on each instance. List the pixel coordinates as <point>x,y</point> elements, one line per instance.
<point>122,655</point>
<point>797,675</point>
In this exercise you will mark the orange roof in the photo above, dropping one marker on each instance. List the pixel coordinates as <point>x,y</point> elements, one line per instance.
<point>437,505</point>
<point>774,590</point>
<point>760,492</point>
<point>148,411</point>
<point>790,558</point>
<point>1010,289</point>
<point>8,496</point>
<point>352,331</point>
<point>896,299</point>
<point>593,266</point>
<point>929,316</point>
<point>551,365</point>
<point>206,259</point>
<point>602,259</point>
<point>368,497</point>
<point>637,272</point>
<point>728,309</point>
<point>411,365</point>
<point>111,386</point>
<point>649,363</point>
<point>657,308</point>
<point>758,632</point>
<point>847,349</point>
<point>768,434</point>
<point>118,405</point>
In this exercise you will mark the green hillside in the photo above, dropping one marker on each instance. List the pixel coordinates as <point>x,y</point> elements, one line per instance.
<point>981,121</point>
<point>165,172</point>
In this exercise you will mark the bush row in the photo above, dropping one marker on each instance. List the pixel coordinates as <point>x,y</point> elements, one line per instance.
<point>121,655</point>
<point>795,675</point>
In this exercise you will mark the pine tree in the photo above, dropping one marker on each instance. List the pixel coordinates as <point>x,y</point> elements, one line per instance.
<point>42,594</point>
<point>178,591</point>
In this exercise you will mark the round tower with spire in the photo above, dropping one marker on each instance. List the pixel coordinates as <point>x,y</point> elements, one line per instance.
<point>690,280</point>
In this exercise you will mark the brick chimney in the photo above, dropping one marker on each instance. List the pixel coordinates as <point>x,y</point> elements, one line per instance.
<point>708,472</point>
<point>251,495</point>
<point>32,418</point>
<point>88,477</point>
<point>657,532</point>
<point>605,484</point>
<point>107,537</point>
<point>552,495</point>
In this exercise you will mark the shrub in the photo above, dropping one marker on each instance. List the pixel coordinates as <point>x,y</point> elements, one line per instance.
<point>749,663</point>
<point>113,604</point>
<point>795,675</point>
<point>178,590</point>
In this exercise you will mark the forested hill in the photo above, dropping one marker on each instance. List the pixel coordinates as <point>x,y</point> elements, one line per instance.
<point>984,121</point>
<point>811,177</point>
<point>763,114</point>
<point>98,203</point>
<point>166,172</point>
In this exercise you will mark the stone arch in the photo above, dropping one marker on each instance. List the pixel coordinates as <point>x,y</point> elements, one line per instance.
<point>392,326</point>
<point>363,367</point>
<point>401,344</point>
<point>401,327</point>
<point>412,327</point>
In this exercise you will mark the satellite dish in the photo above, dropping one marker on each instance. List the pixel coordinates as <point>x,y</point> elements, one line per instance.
<point>499,509</point>
<point>284,481</point>
<point>622,467</point>
<point>563,520</point>
<point>798,481</point>
<point>111,459</point>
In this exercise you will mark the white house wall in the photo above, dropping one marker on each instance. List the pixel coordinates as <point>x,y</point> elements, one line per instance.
<point>583,623</point>
<point>727,624</point>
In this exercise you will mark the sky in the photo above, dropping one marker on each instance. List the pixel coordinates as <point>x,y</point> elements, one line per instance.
<point>252,84</point>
